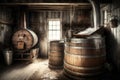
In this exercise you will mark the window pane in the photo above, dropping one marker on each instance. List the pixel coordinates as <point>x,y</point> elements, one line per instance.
<point>58,27</point>
<point>54,32</point>
<point>58,37</point>
<point>58,33</point>
<point>50,23</point>
<point>50,32</point>
<point>58,23</point>
<point>50,27</point>
<point>54,27</point>
<point>54,23</point>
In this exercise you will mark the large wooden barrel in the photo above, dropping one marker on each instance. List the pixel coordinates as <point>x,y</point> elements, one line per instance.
<point>84,57</point>
<point>24,39</point>
<point>56,54</point>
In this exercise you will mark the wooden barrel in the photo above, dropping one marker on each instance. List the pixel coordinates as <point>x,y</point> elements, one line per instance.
<point>84,57</point>
<point>24,39</point>
<point>56,54</point>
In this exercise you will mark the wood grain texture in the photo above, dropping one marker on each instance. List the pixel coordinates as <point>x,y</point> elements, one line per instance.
<point>56,55</point>
<point>84,57</point>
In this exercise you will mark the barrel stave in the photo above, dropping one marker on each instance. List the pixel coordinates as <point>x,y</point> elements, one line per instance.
<point>84,57</point>
<point>56,54</point>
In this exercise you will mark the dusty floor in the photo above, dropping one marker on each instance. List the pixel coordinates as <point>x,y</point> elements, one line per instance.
<point>39,70</point>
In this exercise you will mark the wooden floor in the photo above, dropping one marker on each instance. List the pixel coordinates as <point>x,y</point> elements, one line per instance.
<point>39,70</point>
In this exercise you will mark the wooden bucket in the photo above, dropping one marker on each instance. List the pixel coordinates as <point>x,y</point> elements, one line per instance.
<point>56,54</point>
<point>84,57</point>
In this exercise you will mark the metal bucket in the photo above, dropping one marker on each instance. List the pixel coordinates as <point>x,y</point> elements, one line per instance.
<point>8,55</point>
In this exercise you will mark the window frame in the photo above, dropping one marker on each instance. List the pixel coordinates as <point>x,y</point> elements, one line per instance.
<point>52,19</point>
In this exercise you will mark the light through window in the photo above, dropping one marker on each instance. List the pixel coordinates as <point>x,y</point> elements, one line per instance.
<point>54,29</point>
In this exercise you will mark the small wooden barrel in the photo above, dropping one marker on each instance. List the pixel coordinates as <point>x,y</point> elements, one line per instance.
<point>56,54</point>
<point>24,39</point>
<point>84,57</point>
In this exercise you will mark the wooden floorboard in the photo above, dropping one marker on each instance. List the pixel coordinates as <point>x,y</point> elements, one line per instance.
<point>38,70</point>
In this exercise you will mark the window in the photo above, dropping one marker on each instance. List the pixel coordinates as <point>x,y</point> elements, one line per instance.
<point>54,29</point>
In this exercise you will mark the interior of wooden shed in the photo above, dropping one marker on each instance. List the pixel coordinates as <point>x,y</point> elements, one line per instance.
<point>59,39</point>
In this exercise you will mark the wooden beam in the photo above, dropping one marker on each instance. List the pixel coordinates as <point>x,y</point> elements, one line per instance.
<point>35,4</point>
<point>58,7</point>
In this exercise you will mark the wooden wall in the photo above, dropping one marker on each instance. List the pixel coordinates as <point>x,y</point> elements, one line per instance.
<point>5,29</point>
<point>38,23</point>
<point>114,10</point>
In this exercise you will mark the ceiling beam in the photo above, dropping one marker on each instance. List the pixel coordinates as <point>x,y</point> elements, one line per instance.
<point>58,7</point>
<point>50,4</point>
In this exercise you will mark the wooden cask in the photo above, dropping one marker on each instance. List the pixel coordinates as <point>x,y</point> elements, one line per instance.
<point>24,39</point>
<point>56,54</point>
<point>84,57</point>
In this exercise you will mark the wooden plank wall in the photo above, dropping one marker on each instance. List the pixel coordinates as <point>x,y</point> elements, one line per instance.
<point>5,29</point>
<point>114,10</point>
<point>38,23</point>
